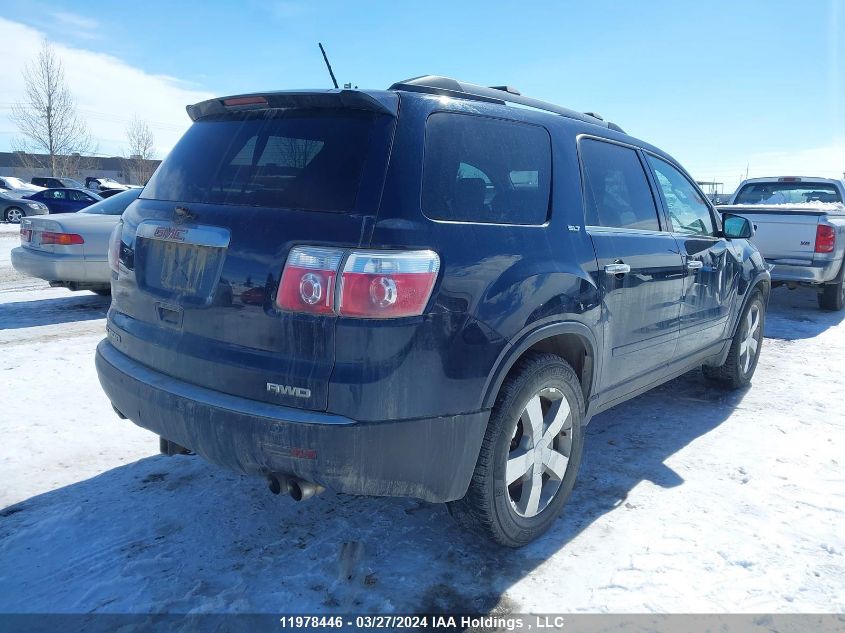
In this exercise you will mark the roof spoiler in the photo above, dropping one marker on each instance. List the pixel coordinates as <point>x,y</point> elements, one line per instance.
<point>445,86</point>
<point>311,99</point>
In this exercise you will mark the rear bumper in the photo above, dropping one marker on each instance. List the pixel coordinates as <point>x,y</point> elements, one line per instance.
<point>428,458</point>
<point>60,266</point>
<point>815,273</point>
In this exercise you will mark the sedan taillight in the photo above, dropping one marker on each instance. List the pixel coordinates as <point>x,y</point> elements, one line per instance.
<point>61,239</point>
<point>372,284</point>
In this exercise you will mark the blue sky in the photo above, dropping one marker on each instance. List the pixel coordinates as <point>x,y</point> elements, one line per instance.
<point>720,85</point>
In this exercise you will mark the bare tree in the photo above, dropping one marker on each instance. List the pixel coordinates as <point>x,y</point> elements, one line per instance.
<point>141,149</point>
<point>47,118</point>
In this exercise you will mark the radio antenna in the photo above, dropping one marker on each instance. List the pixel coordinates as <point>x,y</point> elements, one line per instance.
<point>328,65</point>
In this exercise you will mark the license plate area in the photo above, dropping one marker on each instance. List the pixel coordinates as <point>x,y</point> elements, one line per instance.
<point>182,264</point>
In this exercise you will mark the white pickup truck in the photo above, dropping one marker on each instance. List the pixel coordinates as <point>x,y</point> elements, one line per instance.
<point>800,230</point>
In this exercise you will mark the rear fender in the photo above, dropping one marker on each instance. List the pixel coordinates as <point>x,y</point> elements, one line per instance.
<point>534,335</point>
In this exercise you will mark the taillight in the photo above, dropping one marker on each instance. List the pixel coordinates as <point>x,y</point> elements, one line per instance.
<point>308,280</point>
<point>26,235</point>
<point>245,101</point>
<point>114,247</point>
<point>62,239</point>
<point>825,238</point>
<point>386,284</point>
<point>372,285</point>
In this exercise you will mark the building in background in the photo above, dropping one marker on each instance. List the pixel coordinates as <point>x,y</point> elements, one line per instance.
<point>130,171</point>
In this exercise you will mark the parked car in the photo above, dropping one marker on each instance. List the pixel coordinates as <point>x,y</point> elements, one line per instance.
<point>17,186</point>
<point>97,184</point>
<point>65,200</point>
<point>49,182</point>
<point>452,289</point>
<point>13,207</point>
<point>800,231</point>
<point>71,251</point>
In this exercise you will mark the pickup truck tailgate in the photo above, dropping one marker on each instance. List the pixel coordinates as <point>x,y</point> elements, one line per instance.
<point>782,237</point>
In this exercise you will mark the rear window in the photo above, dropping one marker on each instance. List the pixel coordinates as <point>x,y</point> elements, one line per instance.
<point>787,193</point>
<point>479,169</point>
<point>274,158</point>
<point>115,205</point>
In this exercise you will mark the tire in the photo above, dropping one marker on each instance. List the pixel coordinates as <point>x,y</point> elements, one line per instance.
<point>832,296</point>
<point>515,515</point>
<point>13,215</point>
<point>738,369</point>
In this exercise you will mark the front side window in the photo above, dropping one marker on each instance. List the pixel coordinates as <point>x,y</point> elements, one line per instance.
<point>617,190</point>
<point>80,196</point>
<point>479,169</point>
<point>687,209</point>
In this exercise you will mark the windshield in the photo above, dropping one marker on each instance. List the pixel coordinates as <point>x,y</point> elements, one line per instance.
<point>115,205</point>
<point>787,193</point>
<point>275,158</point>
<point>16,183</point>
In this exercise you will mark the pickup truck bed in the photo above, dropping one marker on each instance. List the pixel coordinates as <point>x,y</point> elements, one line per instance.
<point>804,243</point>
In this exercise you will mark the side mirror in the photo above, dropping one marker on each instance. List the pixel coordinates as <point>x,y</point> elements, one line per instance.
<point>737,227</point>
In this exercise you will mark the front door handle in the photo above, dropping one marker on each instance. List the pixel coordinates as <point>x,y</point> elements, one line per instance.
<point>694,264</point>
<point>617,269</point>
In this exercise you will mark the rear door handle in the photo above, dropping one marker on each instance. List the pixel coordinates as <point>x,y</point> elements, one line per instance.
<point>617,269</point>
<point>694,264</point>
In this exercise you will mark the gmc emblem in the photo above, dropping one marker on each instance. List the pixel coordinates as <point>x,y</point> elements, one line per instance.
<point>170,233</point>
<point>287,390</point>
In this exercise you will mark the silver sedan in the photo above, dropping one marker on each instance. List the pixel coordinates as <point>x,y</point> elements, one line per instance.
<point>13,207</point>
<point>70,250</point>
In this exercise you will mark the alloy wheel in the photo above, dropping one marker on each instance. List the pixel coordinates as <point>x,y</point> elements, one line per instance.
<point>751,341</point>
<point>539,452</point>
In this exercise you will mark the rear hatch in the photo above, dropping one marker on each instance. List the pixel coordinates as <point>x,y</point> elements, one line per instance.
<point>783,235</point>
<point>204,246</point>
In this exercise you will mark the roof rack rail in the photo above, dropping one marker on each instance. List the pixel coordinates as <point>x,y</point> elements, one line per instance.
<point>435,84</point>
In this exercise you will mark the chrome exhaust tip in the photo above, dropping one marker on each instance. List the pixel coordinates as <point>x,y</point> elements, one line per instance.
<point>300,490</point>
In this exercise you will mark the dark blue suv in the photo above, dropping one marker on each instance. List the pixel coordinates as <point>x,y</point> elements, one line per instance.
<point>425,291</point>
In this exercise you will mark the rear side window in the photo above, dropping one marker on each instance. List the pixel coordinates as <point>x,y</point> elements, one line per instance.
<point>617,190</point>
<point>275,158</point>
<point>478,169</point>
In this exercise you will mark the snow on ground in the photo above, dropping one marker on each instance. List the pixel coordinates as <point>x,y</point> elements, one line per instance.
<point>689,499</point>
